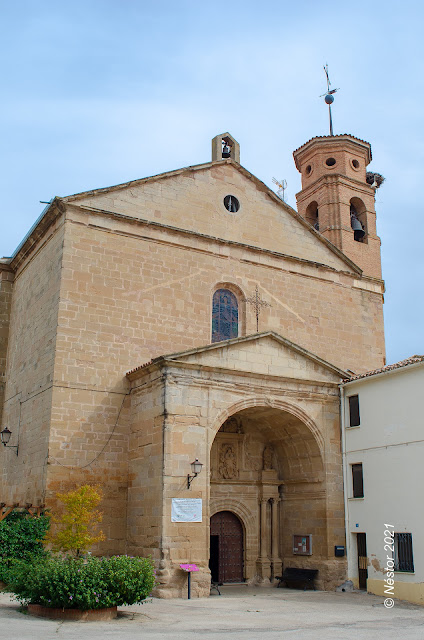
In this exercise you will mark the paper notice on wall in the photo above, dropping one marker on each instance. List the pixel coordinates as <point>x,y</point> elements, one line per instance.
<point>186,510</point>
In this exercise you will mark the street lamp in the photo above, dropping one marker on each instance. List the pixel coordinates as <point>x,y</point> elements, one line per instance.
<point>5,437</point>
<point>196,468</point>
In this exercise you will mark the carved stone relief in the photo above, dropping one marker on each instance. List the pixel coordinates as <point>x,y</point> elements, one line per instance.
<point>232,425</point>
<point>228,468</point>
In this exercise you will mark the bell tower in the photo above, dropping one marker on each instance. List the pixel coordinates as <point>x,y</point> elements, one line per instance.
<point>336,198</point>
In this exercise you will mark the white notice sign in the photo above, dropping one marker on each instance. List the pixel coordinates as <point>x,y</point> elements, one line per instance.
<point>186,510</point>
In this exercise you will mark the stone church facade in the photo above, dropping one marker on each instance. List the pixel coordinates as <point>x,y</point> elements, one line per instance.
<point>130,346</point>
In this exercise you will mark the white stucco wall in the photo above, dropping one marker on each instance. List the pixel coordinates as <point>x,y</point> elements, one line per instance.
<point>390,445</point>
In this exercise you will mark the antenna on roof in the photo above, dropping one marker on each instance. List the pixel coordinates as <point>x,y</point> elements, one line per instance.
<point>282,186</point>
<point>329,98</point>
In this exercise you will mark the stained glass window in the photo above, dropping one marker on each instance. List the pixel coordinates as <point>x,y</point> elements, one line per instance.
<point>224,315</point>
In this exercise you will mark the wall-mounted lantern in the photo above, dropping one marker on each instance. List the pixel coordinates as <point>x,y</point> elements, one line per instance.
<point>196,468</point>
<point>5,437</point>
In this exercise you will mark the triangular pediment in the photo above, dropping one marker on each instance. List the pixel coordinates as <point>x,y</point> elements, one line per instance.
<point>260,354</point>
<point>192,200</point>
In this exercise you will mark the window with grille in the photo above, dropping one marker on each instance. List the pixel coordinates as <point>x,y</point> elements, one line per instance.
<point>224,315</point>
<point>357,481</point>
<point>354,420</point>
<point>404,559</point>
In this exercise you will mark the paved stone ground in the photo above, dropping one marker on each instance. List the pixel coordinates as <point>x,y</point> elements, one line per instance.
<point>239,613</point>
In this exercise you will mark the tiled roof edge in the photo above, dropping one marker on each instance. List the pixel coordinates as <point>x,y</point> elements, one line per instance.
<point>338,135</point>
<point>390,367</point>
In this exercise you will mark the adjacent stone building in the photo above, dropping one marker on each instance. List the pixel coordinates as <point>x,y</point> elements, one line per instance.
<point>195,315</point>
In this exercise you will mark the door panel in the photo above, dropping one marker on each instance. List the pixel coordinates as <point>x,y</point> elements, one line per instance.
<point>226,547</point>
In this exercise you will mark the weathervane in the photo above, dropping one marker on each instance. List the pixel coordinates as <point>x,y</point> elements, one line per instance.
<point>257,303</point>
<point>329,98</point>
<point>282,186</point>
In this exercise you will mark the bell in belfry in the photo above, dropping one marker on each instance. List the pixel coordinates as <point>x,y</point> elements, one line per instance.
<point>358,230</point>
<point>226,151</point>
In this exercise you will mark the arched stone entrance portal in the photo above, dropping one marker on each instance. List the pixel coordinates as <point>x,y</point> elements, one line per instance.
<point>226,548</point>
<point>263,416</point>
<point>267,464</point>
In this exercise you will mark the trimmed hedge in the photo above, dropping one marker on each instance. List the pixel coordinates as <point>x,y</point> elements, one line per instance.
<point>76,583</point>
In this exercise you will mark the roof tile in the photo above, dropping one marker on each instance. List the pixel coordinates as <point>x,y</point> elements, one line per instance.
<point>390,367</point>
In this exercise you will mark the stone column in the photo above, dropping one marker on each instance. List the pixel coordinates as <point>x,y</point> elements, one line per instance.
<point>263,528</point>
<point>264,564</point>
<point>275,552</point>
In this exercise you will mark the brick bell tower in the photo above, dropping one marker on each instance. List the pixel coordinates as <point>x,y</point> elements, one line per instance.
<point>336,198</point>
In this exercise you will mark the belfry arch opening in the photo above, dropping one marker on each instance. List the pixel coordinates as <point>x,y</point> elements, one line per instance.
<point>312,214</point>
<point>267,469</point>
<point>358,220</point>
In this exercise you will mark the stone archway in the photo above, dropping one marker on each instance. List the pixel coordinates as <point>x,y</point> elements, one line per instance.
<point>259,402</point>
<point>262,415</point>
<point>268,461</point>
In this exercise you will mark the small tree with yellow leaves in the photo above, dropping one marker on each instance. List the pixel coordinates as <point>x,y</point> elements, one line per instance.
<point>76,525</point>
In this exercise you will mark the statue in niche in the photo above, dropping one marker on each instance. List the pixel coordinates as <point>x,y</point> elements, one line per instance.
<point>227,462</point>
<point>232,425</point>
<point>267,458</point>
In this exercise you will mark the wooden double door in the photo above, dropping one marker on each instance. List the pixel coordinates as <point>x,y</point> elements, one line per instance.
<point>226,548</point>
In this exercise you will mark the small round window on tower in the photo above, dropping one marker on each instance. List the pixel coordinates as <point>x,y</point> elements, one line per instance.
<point>330,162</point>
<point>308,169</point>
<point>231,204</point>
<point>355,164</point>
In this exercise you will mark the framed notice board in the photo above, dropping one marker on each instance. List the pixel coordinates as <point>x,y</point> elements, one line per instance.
<point>302,544</point>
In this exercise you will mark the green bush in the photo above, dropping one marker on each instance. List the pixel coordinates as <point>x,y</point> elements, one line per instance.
<point>75,583</point>
<point>21,536</point>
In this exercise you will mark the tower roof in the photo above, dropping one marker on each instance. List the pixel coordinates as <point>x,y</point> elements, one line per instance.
<point>338,139</point>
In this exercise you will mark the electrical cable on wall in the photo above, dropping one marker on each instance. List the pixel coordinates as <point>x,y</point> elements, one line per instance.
<point>104,447</point>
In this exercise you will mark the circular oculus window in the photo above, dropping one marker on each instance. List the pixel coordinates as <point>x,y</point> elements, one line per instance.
<point>308,170</point>
<point>355,164</point>
<point>330,162</point>
<point>231,204</point>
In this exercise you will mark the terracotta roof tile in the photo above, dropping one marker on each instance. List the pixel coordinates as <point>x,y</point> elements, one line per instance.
<point>142,366</point>
<point>390,367</point>
<point>339,135</point>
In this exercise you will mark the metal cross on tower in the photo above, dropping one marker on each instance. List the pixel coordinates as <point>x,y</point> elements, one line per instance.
<point>258,304</point>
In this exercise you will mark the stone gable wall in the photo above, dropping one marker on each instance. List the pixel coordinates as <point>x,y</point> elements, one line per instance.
<point>195,201</point>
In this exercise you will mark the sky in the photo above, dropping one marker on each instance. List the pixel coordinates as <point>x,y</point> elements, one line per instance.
<point>99,92</point>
